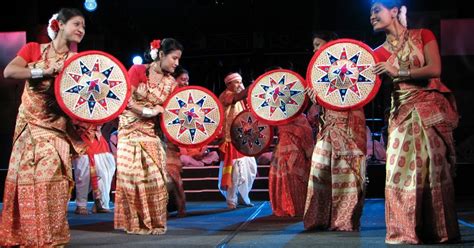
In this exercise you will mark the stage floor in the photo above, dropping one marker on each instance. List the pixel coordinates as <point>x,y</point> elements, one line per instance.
<point>210,224</point>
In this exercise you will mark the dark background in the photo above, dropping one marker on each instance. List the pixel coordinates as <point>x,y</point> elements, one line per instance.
<point>245,35</point>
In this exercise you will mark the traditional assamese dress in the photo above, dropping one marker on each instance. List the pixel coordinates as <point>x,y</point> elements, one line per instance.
<point>336,185</point>
<point>290,166</point>
<point>39,181</point>
<point>419,191</point>
<point>141,194</point>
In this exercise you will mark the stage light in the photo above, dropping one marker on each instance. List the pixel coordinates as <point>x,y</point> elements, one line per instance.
<point>90,5</point>
<point>137,60</point>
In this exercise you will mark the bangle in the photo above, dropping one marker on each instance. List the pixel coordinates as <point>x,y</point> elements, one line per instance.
<point>404,73</point>
<point>36,73</point>
<point>147,112</point>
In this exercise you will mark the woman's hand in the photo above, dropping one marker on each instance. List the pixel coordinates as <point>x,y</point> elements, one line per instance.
<point>53,69</point>
<point>141,91</point>
<point>152,112</point>
<point>158,109</point>
<point>387,68</point>
<point>131,103</point>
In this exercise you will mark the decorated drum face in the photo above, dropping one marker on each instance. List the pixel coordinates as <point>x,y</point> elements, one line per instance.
<point>277,97</point>
<point>340,74</point>
<point>193,116</point>
<point>249,135</point>
<point>93,87</point>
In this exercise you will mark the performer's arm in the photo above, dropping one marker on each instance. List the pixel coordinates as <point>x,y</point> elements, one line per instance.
<point>226,98</point>
<point>432,69</point>
<point>137,79</point>
<point>17,69</point>
<point>144,111</point>
<point>240,96</point>
<point>386,67</point>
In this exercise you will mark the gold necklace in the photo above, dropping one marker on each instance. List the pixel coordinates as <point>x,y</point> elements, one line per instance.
<point>154,78</point>
<point>56,51</point>
<point>395,44</point>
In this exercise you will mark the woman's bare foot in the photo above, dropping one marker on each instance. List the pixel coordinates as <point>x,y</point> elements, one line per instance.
<point>81,210</point>
<point>99,209</point>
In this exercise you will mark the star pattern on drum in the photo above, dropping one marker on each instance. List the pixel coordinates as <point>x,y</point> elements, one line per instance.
<point>278,94</point>
<point>191,116</point>
<point>343,74</point>
<point>93,86</point>
<point>250,132</point>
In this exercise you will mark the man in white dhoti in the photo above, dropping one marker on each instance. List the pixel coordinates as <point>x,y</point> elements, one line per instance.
<point>236,172</point>
<point>93,171</point>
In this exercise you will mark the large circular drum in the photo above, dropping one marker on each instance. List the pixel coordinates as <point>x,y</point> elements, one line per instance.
<point>193,116</point>
<point>277,97</point>
<point>93,87</point>
<point>340,73</point>
<point>249,135</point>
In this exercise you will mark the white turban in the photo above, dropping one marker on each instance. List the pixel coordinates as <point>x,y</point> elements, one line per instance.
<point>231,77</point>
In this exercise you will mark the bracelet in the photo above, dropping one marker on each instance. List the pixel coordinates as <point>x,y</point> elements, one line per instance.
<point>404,73</point>
<point>36,73</point>
<point>147,112</point>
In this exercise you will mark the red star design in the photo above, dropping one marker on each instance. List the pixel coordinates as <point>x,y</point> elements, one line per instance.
<point>93,84</point>
<point>272,82</point>
<point>200,127</point>
<point>275,94</point>
<point>190,115</point>
<point>342,73</point>
<point>272,110</point>
<point>182,129</point>
<point>190,98</point>
<point>96,66</point>
<point>332,87</point>
<point>291,85</point>
<point>247,131</point>
<point>75,77</point>
<point>80,101</point>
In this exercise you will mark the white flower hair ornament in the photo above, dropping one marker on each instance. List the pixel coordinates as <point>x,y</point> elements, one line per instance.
<point>53,26</point>
<point>402,16</point>
<point>154,46</point>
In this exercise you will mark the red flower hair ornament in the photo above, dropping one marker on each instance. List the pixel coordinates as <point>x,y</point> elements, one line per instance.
<point>53,26</point>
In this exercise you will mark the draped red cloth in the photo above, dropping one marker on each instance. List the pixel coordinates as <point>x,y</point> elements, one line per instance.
<point>289,170</point>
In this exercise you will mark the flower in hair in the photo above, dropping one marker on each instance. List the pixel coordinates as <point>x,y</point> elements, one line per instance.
<point>154,46</point>
<point>53,26</point>
<point>402,17</point>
